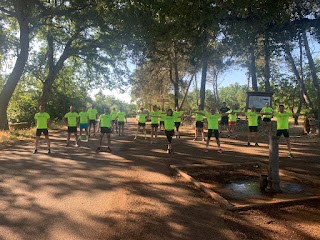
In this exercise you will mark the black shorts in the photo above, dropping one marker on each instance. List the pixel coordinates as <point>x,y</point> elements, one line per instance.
<point>285,132</point>
<point>120,123</point>
<point>215,133</point>
<point>266,119</point>
<point>169,135</point>
<point>105,130</point>
<point>177,124</point>
<point>199,124</point>
<point>141,124</point>
<point>224,121</point>
<point>253,128</point>
<point>161,123</point>
<point>72,129</point>
<point>44,131</point>
<point>92,122</point>
<point>154,125</point>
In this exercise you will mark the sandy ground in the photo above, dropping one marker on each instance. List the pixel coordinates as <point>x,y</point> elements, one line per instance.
<point>75,193</point>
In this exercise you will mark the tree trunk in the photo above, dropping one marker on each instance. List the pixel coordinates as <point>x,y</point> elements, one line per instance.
<point>187,90</point>
<point>17,71</point>
<point>298,77</point>
<point>267,64</point>
<point>176,80</point>
<point>253,70</point>
<point>203,82</point>
<point>313,74</point>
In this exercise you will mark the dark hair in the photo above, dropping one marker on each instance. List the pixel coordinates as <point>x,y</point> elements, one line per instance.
<point>281,105</point>
<point>224,103</point>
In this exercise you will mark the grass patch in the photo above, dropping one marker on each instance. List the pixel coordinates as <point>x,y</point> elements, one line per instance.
<point>17,135</point>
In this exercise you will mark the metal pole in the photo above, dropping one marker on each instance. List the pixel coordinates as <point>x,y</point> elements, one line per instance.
<point>274,178</point>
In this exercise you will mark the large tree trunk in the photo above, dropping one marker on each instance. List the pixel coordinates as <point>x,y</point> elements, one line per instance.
<point>253,70</point>
<point>19,66</point>
<point>313,74</point>
<point>176,80</point>
<point>267,64</point>
<point>298,77</point>
<point>203,81</point>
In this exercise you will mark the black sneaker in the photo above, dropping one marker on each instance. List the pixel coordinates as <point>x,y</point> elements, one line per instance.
<point>248,144</point>
<point>256,145</point>
<point>35,151</point>
<point>49,151</point>
<point>98,149</point>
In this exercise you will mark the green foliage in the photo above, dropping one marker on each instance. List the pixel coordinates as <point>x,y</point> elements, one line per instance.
<point>235,94</point>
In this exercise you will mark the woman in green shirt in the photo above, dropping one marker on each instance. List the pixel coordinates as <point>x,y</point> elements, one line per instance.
<point>154,123</point>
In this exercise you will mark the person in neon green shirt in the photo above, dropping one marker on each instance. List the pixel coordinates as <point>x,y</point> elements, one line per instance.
<point>199,123</point>
<point>169,128</point>
<point>161,125</point>
<point>177,120</point>
<point>42,121</point>
<point>266,112</point>
<point>232,121</point>
<point>72,120</point>
<point>141,117</point>
<point>154,124</point>
<point>253,117</point>
<point>213,126</point>
<point>283,126</point>
<point>121,116</point>
<point>84,123</point>
<point>105,125</point>
<point>93,115</point>
<point>114,114</point>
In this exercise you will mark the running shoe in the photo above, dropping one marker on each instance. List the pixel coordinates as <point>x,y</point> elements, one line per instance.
<point>248,144</point>
<point>257,145</point>
<point>206,150</point>
<point>98,149</point>
<point>135,138</point>
<point>203,139</point>
<point>35,151</point>
<point>168,151</point>
<point>108,149</point>
<point>76,145</point>
<point>219,150</point>
<point>195,139</point>
<point>49,151</point>
<point>67,145</point>
<point>290,155</point>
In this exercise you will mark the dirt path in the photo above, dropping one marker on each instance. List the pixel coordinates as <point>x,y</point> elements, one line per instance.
<point>76,193</point>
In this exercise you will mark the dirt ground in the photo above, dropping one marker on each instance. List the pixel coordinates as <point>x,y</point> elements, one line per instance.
<point>132,193</point>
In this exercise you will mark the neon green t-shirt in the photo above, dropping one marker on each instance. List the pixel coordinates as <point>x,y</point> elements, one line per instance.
<point>213,120</point>
<point>142,117</point>
<point>168,122</point>
<point>72,118</point>
<point>42,120</point>
<point>199,117</point>
<point>252,118</point>
<point>177,115</point>
<point>154,120</point>
<point>113,115</point>
<point>92,113</point>
<point>267,110</point>
<point>162,116</point>
<point>282,120</point>
<point>121,116</point>
<point>232,117</point>
<point>83,117</point>
<point>105,120</point>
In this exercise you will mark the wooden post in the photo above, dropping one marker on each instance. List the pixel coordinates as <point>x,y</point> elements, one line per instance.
<point>274,178</point>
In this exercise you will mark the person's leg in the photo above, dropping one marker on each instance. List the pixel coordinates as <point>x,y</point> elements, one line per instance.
<point>87,134</point>
<point>48,141</point>
<point>208,139</point>
<point>100,140</point>
<point>145,132</point>
<point>156,133</point>
<point>288,144</point>
<point>152,133</point>
<point>109,141</point>
<point>256,138</point>
<point>195,132</point>
<point>202,134</point>
<point>36,142</point>
<point>249,137</point>
<point>76,138</point>
<point>80,136</point>
<point>138,128</point>
<point>89,127</point>
<point>68,138</point>
<point>122,127</point>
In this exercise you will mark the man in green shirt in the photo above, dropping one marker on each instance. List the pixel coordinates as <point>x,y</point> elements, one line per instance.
<point>253,117</point>
<point>267,115</point>
<point>177,120</point>
<point>84,122</point>
<point>72,120</point>
<point>105,128</point>
<point>154,123</point>
<point>121,116</point>
<point>232,121</point>
<point>141,117</point>
<point>199,123</point>
<point>283,126</point>
<point>93,114</point>
<point>114,114</point>
<point>42,120</point>
<point>213,127</point>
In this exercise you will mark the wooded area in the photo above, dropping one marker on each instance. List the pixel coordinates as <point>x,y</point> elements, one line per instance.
<point>55,51</point>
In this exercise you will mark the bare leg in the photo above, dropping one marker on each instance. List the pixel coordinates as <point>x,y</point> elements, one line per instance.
<point>48,141</point>
<point>36,142</point>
